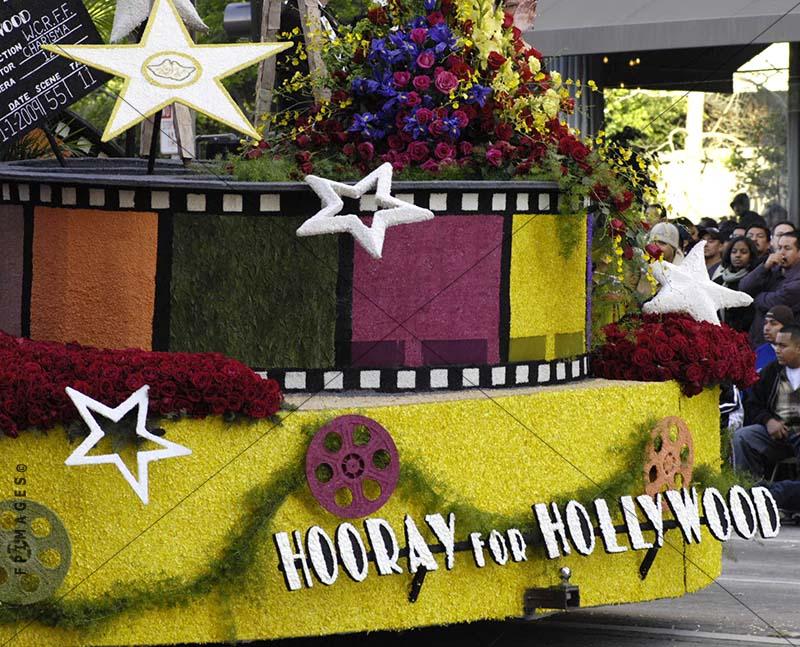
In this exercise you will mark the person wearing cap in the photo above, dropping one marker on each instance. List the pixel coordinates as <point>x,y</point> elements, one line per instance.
<point>712,250</point>
<point>772,410</point>
<point>774,321</point>
<point>775,281</point>
<point>666,236</point>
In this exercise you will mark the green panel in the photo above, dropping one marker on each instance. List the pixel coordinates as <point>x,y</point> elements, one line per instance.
<point>570,344</point>
<point>250,288</point>
<point>524,349</point>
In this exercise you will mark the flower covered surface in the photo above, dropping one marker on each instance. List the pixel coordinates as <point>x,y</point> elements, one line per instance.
<point>657,348</point>
<point>34,374</point>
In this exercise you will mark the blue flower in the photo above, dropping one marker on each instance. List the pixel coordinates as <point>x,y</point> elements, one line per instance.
<point>478,94</point>
<point>363,87</point>
<point>429,5</point>
<point>367,125</point>
<point>417,130</point>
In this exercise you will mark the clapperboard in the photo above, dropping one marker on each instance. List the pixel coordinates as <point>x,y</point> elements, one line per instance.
<point>34,84</point>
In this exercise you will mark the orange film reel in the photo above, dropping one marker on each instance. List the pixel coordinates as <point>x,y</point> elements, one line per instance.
<point>669,456</point>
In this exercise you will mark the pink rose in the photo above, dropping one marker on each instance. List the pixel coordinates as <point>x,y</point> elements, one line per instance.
<point>418,151</point>
<point>419,35</point>
<point>444,150</point>
<point>494,156</point>
<point>423,115</point>
<point>422,82</point>
<point>437,128</point>
<point>465,148</point>
<point>413,99</point>
<point>431,166</point>
<point>446,81</point>
<point>366,150</point>
<point>426,60</point>
<point>401,78</point>
<point>461,118</point>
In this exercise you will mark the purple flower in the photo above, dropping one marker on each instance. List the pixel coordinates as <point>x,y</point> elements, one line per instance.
<point>429,5</point>
<point>478,94</point>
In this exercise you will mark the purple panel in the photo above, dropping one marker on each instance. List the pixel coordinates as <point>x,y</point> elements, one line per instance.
<point>454,351</point>
<point>378,353</point>
<point>440,279</point>
<point>12,226</point>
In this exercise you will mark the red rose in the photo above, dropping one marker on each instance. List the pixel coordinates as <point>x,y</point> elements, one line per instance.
<point>653,250</point>
<point>444,151</point>
<point>435,18</point>
<point>401,79</point>
<point>494,156</point>
<point>446,82</point>
<point>504,132</point>
<point>642,357</point>
<point>421,82</point>
<point>496,60</point>
<point>508,20</point>
<point>617,227</point>
<point>419,35</point>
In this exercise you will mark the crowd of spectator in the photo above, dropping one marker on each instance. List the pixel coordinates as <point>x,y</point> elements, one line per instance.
<point>759,255</point>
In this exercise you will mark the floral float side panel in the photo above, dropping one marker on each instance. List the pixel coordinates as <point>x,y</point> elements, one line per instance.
<point>94,277</point>
<point>548,287</point>
<point>248,287</point>
<point>12,241</point>
<point>441,280</point>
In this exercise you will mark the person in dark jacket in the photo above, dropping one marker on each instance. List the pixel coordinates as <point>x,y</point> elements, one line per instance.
<point>772,411</point>
<point>774,282</point>
<point>739,259</point>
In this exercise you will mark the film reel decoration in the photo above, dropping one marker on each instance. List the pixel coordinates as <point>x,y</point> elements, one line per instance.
<point>35,552</point>
<point>669,457</point>
<point>352,466</point>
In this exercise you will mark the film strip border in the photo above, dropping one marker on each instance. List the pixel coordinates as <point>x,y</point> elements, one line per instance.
<point>442,378</point>
<point>184,199</point>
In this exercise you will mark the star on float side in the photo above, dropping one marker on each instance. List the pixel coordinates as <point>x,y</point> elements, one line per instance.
<point>687,289</point>
<point>168,67</point>
<point>80,456</point>
<point>329,221</point>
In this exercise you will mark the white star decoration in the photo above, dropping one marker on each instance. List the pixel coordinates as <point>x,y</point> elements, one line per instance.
<point>80,456</point>
<point>129,14</point>
<point>687,289</point>
<point>168,67</point>
<point>394,212</point>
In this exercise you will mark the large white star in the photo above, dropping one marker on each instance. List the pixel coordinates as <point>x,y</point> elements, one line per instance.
<point>168,67</point>
<point>328,221</point>
<point>687,289</point>
<point>129,14</point>
<point>80,456</point>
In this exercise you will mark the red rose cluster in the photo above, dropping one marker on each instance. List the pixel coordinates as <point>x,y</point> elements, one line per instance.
<point>657,348</point>
<point>33,376</point>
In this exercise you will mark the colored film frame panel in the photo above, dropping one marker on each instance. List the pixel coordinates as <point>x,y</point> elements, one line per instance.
<point>12,268</point>
<point>446,308</point>
<point>547,289</point>
<point>250,288</point>
<point>82,261</point>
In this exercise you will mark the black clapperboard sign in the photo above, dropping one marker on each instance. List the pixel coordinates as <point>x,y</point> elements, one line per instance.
<point>34,84</point>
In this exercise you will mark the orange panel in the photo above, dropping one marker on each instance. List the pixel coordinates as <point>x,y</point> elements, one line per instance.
<point>94,277</point>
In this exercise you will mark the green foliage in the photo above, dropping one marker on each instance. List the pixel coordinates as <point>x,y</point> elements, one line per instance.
<point>654,114</point>
<point>250,288</point>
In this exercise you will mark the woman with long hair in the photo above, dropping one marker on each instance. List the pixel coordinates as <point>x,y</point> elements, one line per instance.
<point>740,257</point>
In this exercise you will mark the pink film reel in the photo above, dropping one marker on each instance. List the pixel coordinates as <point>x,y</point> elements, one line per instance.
<point>352,466</point>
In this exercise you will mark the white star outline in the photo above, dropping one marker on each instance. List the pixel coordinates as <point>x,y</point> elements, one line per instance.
<point>394,212</point>
<point>166,34</point>
<point>687,289</point>
<point>139,398</point>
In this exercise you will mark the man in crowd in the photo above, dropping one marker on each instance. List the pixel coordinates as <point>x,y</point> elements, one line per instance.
<point>778,230</point>
<point>713,250</point>
<point>666,236</point>
<point>772,411</point>
<point>760,236</point>
<point>776,281</point>
<point>774,321</point>
<point>741,207</point>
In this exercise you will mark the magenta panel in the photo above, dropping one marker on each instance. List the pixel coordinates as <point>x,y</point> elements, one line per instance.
<point>12,233</point>
<point>441,279</point>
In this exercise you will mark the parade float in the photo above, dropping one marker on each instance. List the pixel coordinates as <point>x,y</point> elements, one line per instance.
<point>249,410</point>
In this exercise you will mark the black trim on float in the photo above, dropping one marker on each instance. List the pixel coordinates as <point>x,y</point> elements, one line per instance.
<point>27,270</point>
<point>163,283</point>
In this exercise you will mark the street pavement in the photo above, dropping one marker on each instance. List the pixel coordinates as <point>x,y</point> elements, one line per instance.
<point>755,602</point>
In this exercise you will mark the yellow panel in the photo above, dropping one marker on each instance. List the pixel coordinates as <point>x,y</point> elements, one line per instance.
<point>469,450</point>
<point>548,290</point>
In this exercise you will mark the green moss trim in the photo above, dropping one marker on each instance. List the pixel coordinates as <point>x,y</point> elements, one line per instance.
<point>249,288</point>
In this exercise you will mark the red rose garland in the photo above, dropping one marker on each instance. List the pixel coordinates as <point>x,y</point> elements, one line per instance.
<point>33,376</point>
<point>657,348</point>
